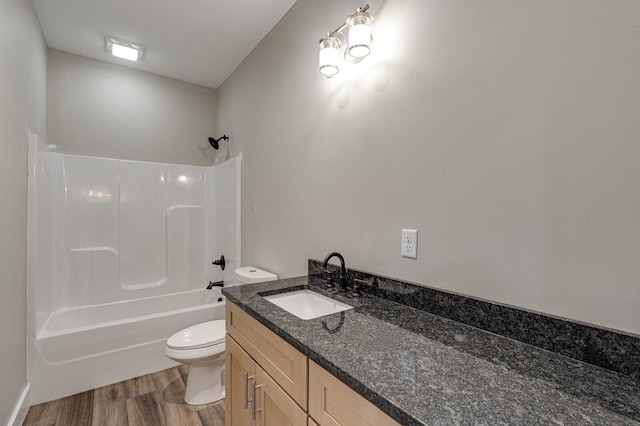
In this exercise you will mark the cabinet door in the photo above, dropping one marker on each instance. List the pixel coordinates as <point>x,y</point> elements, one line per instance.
<point>273,406</point>
<point>239,381</point>
<point>332,403</point>
<point>283,362</point>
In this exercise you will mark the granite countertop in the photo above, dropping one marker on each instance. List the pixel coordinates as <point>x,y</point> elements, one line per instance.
<point>424,369</point>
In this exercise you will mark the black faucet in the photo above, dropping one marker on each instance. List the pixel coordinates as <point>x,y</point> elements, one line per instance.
<point>215,284</point>
<point>342,278</point>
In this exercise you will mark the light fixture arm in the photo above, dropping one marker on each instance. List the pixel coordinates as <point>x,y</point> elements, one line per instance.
<point>344,25</point>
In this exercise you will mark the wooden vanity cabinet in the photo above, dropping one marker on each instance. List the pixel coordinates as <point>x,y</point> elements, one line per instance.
<point>266,377</point>
<point>273,406</point>
<point>240,371</point>
<point>270,383</point>
<point>253,397</point>
<point>284,363</point>
<point>332,403</point>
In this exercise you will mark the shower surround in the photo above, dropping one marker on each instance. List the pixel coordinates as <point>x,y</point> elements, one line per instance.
<point>120,252</point>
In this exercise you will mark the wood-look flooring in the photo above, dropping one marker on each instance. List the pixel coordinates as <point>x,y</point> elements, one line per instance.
<point>155,400</point>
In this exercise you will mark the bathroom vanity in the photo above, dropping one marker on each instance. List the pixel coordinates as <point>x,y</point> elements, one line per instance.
<point>269,382</point>
<point>386,363</point>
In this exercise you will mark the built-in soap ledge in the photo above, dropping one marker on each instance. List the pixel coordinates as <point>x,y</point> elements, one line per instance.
<point>94,249</point>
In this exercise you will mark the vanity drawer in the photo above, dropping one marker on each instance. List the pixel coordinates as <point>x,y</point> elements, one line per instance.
<point>332,403</point>
<point>285,364</point>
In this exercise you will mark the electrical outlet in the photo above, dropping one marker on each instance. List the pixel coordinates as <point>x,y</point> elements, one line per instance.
<point>410,243</point>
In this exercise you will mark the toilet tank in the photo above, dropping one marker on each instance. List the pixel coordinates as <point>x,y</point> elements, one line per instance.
<point>252,275</point>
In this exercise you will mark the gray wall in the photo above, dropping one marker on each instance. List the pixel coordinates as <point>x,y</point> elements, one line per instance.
<point>506,132</point>
<point>107,110</point>
<point>23,82</point>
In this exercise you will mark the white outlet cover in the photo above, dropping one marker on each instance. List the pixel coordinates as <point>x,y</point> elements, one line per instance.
<point>410,243</point>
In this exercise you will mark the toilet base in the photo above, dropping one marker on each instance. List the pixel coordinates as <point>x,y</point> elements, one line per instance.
<point>205,382</point>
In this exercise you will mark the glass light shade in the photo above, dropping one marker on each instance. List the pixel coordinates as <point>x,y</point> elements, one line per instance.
<point>329,56</point>
<point>359,34</point>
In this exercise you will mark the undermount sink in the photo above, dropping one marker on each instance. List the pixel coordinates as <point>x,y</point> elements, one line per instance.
<point>306,304</point>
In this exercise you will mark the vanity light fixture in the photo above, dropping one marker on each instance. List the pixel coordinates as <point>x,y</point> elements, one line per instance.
<point>358,42</point>
<point>123,49</point>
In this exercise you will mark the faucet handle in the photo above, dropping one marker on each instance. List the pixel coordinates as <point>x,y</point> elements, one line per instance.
<point>330,279</point>
<point>220,262</point>
<point>356,287</point>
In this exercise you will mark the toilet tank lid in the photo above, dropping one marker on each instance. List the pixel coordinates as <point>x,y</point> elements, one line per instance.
<point>198,336</point>
<point>251,274</point>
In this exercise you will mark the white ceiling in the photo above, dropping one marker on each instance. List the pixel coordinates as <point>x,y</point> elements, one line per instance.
<point>199,41</point>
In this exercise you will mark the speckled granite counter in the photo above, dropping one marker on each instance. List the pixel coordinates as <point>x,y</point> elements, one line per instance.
<point>424,369</point>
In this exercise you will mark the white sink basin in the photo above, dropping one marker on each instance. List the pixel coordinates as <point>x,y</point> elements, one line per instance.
<point>306,304</point>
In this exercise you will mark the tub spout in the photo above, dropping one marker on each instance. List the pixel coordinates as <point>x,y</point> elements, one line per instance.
<point>215,284</point>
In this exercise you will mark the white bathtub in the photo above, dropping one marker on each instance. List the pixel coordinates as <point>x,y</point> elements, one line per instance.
<point>86,347</point>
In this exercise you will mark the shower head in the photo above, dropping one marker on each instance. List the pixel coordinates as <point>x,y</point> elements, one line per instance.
<point>214,141</point>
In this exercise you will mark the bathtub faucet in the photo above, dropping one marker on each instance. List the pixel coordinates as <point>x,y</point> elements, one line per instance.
<point>215,284</point>
<point>221,262</point>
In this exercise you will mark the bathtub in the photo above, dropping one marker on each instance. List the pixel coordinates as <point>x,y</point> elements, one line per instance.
<point>85,347</point>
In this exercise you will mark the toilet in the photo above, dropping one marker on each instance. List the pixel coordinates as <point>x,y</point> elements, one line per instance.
<point>252,275</point>
<point>202,347</point>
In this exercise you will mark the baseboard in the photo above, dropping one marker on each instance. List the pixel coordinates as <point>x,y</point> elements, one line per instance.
<point>21,408</point>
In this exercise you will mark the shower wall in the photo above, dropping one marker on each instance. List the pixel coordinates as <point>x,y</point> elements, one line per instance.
<point>105,237</point>
<point>122,230</point>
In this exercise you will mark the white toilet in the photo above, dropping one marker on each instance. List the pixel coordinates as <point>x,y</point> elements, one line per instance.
<point>252,275</point>
<point>202,348</point>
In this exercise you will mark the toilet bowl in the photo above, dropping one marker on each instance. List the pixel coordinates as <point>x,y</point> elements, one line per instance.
<point>202,348</point>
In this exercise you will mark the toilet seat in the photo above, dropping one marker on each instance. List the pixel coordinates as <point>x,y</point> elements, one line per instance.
<point>199,336</point>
